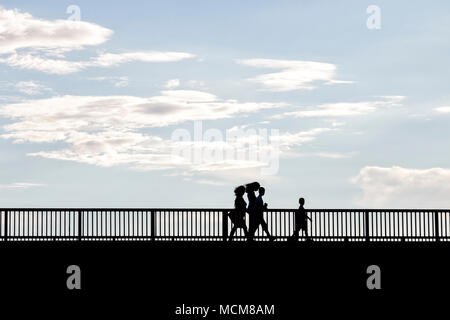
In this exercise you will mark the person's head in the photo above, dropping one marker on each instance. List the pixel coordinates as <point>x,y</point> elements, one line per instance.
<point>301,201</point>
<point>239,191</point>
<point>254,186</point>
<point>261,191</point>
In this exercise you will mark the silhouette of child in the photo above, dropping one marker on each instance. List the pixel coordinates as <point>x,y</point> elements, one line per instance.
<point>301,222</point>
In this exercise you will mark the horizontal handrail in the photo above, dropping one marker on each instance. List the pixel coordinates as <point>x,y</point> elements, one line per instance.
<point>218,209</point>
<point>160,224</point>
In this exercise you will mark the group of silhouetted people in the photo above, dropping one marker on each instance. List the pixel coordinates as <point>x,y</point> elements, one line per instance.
<point>255,209</point>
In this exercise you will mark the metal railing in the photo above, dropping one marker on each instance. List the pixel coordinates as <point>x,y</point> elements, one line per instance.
<point>213,225</point>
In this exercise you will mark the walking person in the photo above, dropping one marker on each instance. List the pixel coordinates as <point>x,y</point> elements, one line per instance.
<point>301,221</point>
<point>250,189</point>
<point>258,216</point>
<point>237,216</point>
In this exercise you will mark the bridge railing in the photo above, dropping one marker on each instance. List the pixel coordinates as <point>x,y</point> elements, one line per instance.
<point>83,224</point>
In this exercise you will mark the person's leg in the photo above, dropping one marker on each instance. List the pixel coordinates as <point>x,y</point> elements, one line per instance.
<point>296,231</point>
<point>233,230</point>
<point>266,229</point>
<point>307,238</point>
<point>251,230</point>
<point>245,230</point>
<point>254,227</point>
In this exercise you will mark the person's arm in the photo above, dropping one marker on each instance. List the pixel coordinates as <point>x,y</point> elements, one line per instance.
<point>306,215</point>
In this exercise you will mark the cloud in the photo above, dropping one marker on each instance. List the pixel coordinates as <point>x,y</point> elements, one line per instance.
<point>172,83</point>
<point>20,185</point>
<point>32,44</point>
<point>333,155</point>
<point>19,30</point>
<point>43,64</point>
<point>288,140</point>
<point>118,82</point>
<point>30,88</point>
<point>343,109</point>
<point>52,119</point>
<point>294,74</point>
<point>117,131</point>
<point>60,66</point>
<point>442,109</point>
<point>114,130</point>
<point>192,84</point>
<point>114,59</point>
<point>398,187</point>
<point>209,182</point>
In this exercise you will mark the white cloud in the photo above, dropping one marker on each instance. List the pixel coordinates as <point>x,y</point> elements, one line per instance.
<point>52,119</point>
<point>192,84</point>
<point>30,43</point>
<point>294,74</point>
<point>31,88</point>
<point>343,109</point>
<point>288,140</point>
<point>172,83</point>
<point>116,131</point>
<point>398,187</point>
<point>59,66</point>
<point>326,155</point>
<point>114,59</point>
<point>118,82</point>
<point>43,64</point>
<point>334,155</point>
<point>442,109</point>
<point>210,182</point>
<point>113,130</point>
<point>20,185</point>
<point>335,123</point>
<point>19,30</point>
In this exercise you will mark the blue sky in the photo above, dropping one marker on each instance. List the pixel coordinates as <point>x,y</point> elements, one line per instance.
<point>89,108</point>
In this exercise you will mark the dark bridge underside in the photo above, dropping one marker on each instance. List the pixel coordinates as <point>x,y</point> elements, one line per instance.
<point>151,278</point>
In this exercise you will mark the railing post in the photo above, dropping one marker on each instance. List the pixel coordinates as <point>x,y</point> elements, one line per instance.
<point>436,226</point>
<point>5,227</point>
<point>80,224</point>
<point>366,225</point>
<point>224,225</point>
<point>152,225</point>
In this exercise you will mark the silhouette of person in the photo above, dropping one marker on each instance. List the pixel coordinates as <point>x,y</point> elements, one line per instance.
<point>237,216</point>
<point>258,216</point>
<point>301,222</point>
<point>250,189</point>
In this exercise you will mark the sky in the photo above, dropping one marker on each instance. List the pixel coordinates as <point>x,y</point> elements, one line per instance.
<point>175,103</point>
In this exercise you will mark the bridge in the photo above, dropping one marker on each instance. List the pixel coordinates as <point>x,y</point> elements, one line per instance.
<point>183,255</point>
<point>187,224</point>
